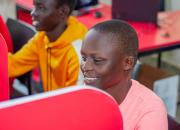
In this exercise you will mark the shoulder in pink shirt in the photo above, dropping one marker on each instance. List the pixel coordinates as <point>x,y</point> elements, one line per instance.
<point>143,110</point>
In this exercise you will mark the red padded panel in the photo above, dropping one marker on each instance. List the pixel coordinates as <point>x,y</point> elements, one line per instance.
<point>5,33</point>
<point>4,81</point>
<point>76,108</point>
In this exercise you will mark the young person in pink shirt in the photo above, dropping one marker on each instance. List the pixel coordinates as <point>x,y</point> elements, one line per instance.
<point>109,53</point>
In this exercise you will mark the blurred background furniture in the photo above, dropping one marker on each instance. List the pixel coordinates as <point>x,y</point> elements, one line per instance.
<point>136,10</point>
<point>23,10</point>
<point>173,124</point>
<point>136,70</point>
<point>21,32</point>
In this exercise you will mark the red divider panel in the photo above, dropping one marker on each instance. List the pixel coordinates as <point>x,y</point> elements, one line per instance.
<point>76,108</point>
<point>4,81</point>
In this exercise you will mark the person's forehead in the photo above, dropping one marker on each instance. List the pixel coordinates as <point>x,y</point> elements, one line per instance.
<point>99,39</point>
<point>98,42</point>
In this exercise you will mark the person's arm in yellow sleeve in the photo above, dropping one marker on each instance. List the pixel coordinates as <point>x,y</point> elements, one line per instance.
<point>24,60</point>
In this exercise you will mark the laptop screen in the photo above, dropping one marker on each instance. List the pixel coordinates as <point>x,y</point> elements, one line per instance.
<point>136,10</point>
<point>85,4</point>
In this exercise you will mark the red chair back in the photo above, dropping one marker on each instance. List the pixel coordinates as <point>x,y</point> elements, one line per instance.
<point>5,33</point>
<point>74,108</point>
<point>4,81</point>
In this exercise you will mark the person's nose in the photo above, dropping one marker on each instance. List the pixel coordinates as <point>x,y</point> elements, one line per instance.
<point>34,12</point>
<point>87,65</point>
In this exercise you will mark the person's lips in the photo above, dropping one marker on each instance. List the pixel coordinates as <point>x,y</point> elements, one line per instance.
<point>90,80</point>
<point>35,23</point>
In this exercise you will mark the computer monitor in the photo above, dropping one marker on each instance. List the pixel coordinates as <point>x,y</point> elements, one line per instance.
<point>81,4</point>
<point>136,10</point>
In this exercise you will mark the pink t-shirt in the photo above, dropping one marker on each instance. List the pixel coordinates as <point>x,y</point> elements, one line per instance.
<point>143,110</point>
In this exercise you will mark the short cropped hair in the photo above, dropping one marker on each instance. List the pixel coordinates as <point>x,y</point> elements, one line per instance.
<point>70,3</point>
<point>123,33</point>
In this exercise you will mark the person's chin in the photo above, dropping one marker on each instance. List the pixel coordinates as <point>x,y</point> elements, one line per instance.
<point>37,25</point>
<point>93,84</point>
<point>39,29</point>
<point>89,83</point>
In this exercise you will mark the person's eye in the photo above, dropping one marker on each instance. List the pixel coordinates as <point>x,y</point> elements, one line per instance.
<point>98,61</point>
<point>83,58</point>
<point>40,7</point>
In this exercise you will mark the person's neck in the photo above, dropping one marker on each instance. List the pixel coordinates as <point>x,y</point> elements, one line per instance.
<point>120,90</point>
<point>54,34</point>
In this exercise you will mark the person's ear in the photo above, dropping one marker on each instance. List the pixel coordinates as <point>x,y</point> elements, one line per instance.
<point>64,11</point>
<point>129,63</point>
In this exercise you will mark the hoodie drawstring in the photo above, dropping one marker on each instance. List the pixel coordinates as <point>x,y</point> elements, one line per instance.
<point>49,70</point>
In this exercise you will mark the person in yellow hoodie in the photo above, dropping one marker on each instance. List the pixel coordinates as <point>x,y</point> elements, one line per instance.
<point>52,46</point>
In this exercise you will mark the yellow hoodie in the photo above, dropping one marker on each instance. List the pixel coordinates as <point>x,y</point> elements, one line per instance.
<point>58,61</point>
